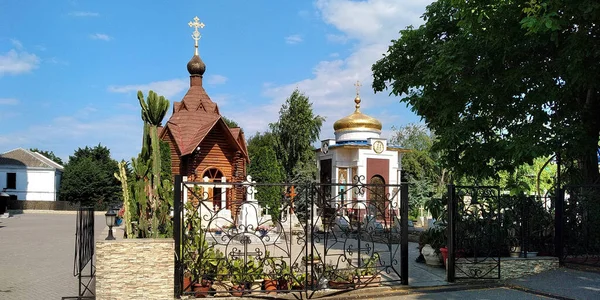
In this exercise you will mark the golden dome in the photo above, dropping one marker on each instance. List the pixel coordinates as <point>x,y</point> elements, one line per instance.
<point>357,120</point>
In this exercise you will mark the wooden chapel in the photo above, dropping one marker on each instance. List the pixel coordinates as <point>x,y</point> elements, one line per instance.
<point>202,146</point>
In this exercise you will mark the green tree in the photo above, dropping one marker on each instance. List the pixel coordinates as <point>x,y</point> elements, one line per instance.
<point>88,178</point>
<point>266,168</point>
<point>295,131</point>
<point>496,94</point>
<point>48,154</point>
<point>421,166</point>
<point>230,123</point>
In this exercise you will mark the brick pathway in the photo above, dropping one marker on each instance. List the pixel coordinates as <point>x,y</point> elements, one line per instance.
<point>36,255</point>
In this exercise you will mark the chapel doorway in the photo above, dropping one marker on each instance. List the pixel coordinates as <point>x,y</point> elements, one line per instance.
<point>215,193</point>
<point>378,197</point>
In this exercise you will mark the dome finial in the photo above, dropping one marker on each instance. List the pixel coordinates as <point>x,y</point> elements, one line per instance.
<point>357,99</point>
<point>196,34</point>
<point>196,66</point>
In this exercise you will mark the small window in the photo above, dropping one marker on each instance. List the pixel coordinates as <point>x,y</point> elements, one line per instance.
<point>11,180</point>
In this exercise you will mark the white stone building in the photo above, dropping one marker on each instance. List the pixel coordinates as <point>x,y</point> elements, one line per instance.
<point>29,175</point>
<point>359,155</point>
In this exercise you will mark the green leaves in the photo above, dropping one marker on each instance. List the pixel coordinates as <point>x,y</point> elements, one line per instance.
<point>500,82</point>
<point>295,131</point>
<point>88,178</point>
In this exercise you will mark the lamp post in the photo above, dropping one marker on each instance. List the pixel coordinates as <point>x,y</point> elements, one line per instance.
<point>110,221</point>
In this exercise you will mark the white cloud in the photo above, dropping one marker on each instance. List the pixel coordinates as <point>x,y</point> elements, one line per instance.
<point>17,44</point>
<point>293,39</point>
<point>167,88</point>
<point>83,14</point>
<point>369,25</point>
<point>9,101</point>
<point>100,36</point>
<point>17,61</point>
<point>216,79</point>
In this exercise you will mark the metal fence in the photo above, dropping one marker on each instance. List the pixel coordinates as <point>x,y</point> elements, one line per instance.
<point>578,225</point>
<point>83,263</point>
<point>308,237</point>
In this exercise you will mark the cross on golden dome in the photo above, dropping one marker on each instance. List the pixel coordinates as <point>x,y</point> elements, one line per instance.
<point>357,99</point>
<point>196,34</point>
<point>357,85</point>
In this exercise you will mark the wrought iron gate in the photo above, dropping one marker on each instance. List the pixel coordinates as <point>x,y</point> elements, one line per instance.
<point>320,236</point>
<point>475,232</point>
<point>577,225</point>
<point>84,253</point>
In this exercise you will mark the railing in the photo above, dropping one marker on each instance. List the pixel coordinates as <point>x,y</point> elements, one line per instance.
<point>320,236</point>
<point>578,223</point>
<point>84,253</point>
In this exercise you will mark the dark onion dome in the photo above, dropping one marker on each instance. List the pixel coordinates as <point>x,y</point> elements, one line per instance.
<point>196,66</point>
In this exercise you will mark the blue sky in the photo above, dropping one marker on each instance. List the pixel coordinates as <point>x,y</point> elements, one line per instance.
<point>70,69</point>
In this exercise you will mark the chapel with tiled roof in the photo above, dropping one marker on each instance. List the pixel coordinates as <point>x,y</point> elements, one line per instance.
<point>203,147</point>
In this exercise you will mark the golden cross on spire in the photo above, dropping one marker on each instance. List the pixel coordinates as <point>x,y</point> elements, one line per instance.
<point>196,34</point>
<point>357,99</point>
<point>357,85</point>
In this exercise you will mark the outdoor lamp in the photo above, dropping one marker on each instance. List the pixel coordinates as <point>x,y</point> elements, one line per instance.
<point>110,221</point>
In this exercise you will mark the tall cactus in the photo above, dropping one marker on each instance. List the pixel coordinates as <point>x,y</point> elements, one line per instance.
<point>139,193</point>
<point>122,177</point>
<point>154,109</point>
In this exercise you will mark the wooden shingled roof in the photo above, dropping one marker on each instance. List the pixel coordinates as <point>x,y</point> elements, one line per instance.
<point>194,117</point>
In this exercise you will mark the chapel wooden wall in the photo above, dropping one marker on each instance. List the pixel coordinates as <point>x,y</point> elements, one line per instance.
<point>215,152</point>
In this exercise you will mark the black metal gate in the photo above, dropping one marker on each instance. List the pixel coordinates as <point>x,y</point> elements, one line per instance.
<point>320,236</point>
<point>83,264</point>
<point>475,232</point>
<point>578,225</point>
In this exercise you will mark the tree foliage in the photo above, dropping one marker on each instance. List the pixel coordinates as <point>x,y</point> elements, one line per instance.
<point>295,131</point>
<point>88,178</point>
<point>501,86</point>
<point>230,123</point>
<point>48,154</point>
<point>266,168</point>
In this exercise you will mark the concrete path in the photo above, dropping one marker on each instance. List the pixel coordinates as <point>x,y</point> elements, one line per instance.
<point>36,255</point>
<point>564,282</point>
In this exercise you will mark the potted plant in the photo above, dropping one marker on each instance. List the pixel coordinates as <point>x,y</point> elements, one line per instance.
<point>339,278</point>
<point>238,278</point>
<point>367,276</point>
<point>432,240</point>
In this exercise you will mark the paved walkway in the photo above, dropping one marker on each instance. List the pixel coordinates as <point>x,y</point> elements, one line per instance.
<point>36,255</point>
<point>36,262</point>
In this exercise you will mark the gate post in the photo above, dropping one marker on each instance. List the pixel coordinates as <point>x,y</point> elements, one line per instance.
<point>450,233</point>
<point>177,236</point>
<point>558,224</point>
<point>404,233</point>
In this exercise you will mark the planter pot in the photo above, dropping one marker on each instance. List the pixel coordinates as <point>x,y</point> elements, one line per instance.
<point>270,285</point>
<point>221,288</point>
<point>530,254</point>
<point>201,290</point>
<point>340,285</point>
<point>367,281</point>
<point>431,257</point>
<point>515,251</point>
<point>283,285</point>
<point>444,252</point>
<point>237,290</point>
<point>187,284</point>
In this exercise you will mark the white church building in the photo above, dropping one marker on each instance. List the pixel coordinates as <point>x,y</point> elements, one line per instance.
<point>358,155</point>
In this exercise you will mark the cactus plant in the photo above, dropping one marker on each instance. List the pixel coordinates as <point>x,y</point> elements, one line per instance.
<point>154,108</point>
